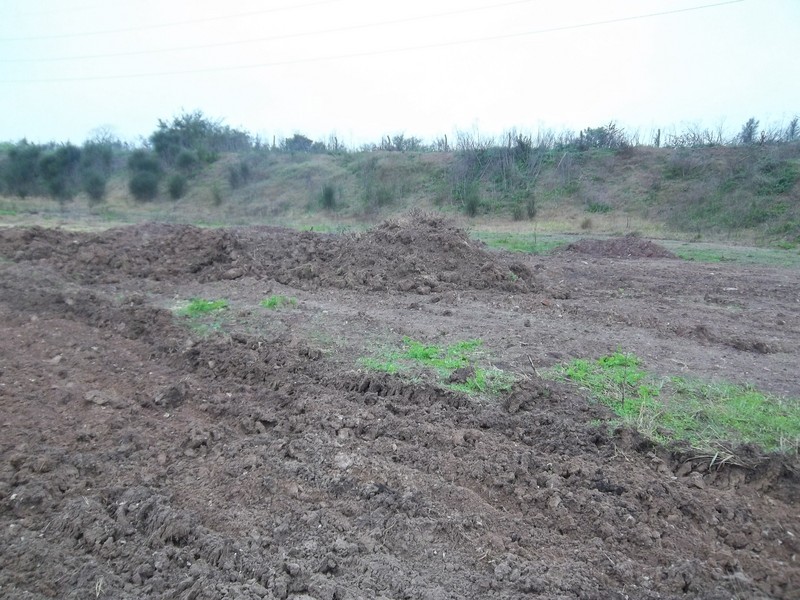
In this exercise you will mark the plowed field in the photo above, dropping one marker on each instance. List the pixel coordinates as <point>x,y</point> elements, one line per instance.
<point>249,453</point>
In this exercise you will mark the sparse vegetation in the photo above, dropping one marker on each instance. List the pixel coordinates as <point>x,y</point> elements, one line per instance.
<point>277,301</point>
<point>710,417</point>
<point>703,182</point>
<point>457,367</point>
<point>199,307</point>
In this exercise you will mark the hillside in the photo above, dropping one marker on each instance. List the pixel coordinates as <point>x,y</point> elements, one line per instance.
<point>722,192</point>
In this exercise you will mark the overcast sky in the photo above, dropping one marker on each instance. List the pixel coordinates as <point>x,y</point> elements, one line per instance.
<point>363,69</point>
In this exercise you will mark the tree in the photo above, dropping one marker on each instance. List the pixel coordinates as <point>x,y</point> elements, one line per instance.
<point>749,131</point>
<point>21,169</point>
<point>297,143</point>
<point>197,133</point>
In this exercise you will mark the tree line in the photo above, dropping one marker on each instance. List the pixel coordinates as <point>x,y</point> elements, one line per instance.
<point>180,148</point>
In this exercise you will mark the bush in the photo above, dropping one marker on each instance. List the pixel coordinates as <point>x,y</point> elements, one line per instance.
<point>177,186</point>
<point>21,169</point>
<point>58,170</point>
<point>144,185</point>
<point>472,202</point>
<point>94,184</point>
<point>196,133</point>
<point>144,161</point>
<point>187,160</point>
<point>328,197</point>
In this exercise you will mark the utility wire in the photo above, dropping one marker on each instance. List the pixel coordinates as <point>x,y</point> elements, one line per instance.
<point>273,38</point>
<point>170,24</point>
<point>379,52</point>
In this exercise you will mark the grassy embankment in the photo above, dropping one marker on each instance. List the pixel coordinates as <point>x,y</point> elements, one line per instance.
<point>721,195</point>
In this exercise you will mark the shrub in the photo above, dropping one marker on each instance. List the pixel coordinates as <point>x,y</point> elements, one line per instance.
<point>144,185</point>
<point>94,184</point>
<point>144,161</point>
<point>472,202</point>
<point>58,170</point>
<point>187,160</point>
<point>176,186</point>
<point>328,197</point>
<point>21,169</point>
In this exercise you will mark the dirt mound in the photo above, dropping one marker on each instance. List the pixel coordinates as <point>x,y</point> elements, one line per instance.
<point>419,253</point>
<point>629,246</point>
<point>152,251</point>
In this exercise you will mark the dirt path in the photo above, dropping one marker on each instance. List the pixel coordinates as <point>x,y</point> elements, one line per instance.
<point>142,458</point>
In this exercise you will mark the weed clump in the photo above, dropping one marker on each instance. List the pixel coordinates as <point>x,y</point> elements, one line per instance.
<point>276,302</point>
<point>456,366</point>
<point>707,416</point>
<point>198,307</point>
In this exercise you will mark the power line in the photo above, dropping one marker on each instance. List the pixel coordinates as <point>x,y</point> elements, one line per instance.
<point>272,38</point>
<point>171,24</point>
<point>379,52</point>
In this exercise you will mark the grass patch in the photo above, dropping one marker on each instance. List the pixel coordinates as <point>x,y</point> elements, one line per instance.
<point>707,416</point>
<point>518,242</point>
<point>418,359</point>
<point>198,307</point>
<point>276,302</point>
<point>202,315</point>
<point>491,381</point>
<point>774,257</point>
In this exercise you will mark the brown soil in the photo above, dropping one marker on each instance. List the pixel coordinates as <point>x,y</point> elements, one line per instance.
<point>629,246</point>
<point>247,455</point>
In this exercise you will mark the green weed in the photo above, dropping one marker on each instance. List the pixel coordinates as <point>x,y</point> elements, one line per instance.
<point>388,365</point>
<point>276,302</point>
<point>198,307</point>
<point>418,358</point>
<point>676,409</point>
<point>491,381</point>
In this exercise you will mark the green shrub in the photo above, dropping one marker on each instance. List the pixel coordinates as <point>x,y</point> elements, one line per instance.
<point>186,160</point>
<point>21,169</point>
<point>177,186</point>
<point>144,161</point>
<point>328,197</point>
<point>472,202</point>
<point>58,169</point>
<point>143,185</point>
<point>94,184</point>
